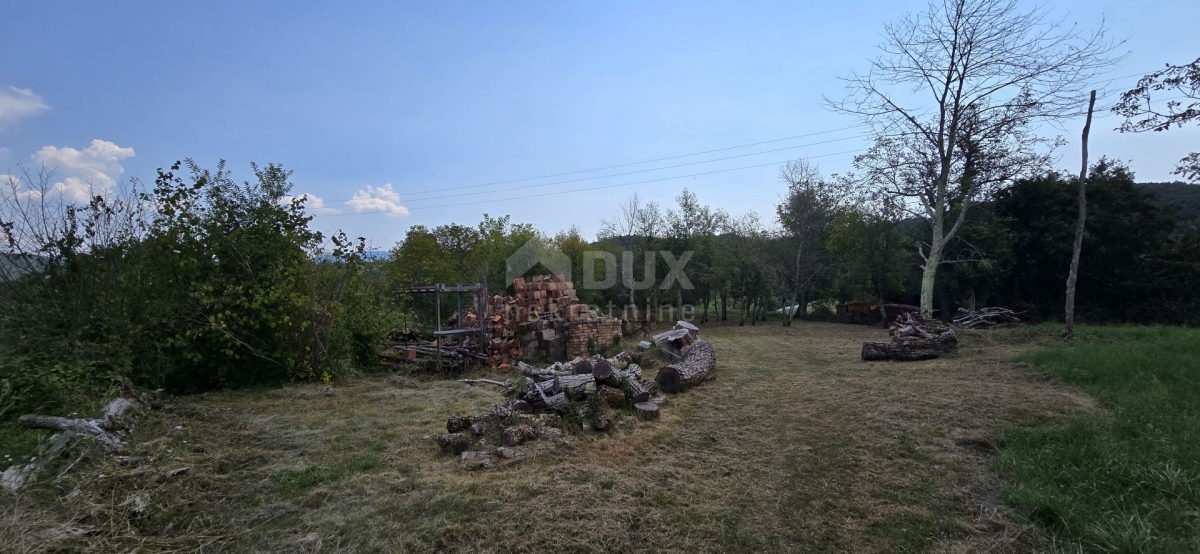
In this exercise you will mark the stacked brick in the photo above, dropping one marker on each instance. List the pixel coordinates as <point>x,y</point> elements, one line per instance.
<point>544,318</point>
<point>601,330</point>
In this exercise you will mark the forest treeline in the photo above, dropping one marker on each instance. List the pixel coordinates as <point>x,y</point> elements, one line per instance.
<point>202,282</point>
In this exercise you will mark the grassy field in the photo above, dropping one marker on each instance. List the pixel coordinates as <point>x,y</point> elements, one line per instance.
<point>795,445</point>
<point>1125,478</point>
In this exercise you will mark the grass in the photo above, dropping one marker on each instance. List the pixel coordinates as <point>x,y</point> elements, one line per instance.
<point>1125,478</point>
<point>794,445</point>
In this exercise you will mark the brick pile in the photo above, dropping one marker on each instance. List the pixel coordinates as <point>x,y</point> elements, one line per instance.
<point>545,318</point>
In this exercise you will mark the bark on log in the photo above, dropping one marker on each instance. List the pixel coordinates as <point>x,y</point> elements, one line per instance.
<point>910,350</point>
<point>458,424</point>
<point>672,342</point>
<point>646,411</point>
<point>583,368</point>
<point>517,435</point>
<point>117,417</point>
<point>605,374</point>
<point>694,368</point>
<point>637,391</point>
<point>691,329</point>
<point>453,443</point>
<point>612,396</point>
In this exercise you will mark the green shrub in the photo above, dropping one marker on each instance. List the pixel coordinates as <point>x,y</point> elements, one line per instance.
<point>198,283</point>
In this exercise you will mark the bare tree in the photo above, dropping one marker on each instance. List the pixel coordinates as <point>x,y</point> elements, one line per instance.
<point>1137,106</point>
<point>1077,248</point>
<point>635,227</point>
<point>962,79</point>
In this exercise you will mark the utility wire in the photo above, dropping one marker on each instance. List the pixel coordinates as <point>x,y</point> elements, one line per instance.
<point>439,197</point>
<point>455,204</point>
<point>638,163</point>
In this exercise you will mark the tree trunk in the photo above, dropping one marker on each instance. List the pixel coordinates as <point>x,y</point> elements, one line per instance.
<point>724,306</point>
<point>745,306</point>
<point>697,362</point>
<point>1079,223</point>
<point>929,276</point>
<point>910,350</point>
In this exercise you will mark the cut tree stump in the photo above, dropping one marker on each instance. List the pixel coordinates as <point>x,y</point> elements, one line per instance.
<point>691,371</point>
<point>646,411</point>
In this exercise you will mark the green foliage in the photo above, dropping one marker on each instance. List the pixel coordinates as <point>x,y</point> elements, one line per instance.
<point>200,282</point>
<point>1134,268</point>
<point>1125,479</point>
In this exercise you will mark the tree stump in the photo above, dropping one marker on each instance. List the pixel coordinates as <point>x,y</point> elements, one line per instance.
<point>646,411</point>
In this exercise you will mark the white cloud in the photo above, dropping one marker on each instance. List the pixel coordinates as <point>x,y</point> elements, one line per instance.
<point>313,204</point>
<point>84,173</point>
<point>377,200</point>
<point>19,103</point>
<point>4,153</point>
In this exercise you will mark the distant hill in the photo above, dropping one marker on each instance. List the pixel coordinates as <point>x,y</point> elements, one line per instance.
<point>1182,197</point>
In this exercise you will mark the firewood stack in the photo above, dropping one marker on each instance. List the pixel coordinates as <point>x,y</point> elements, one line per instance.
<point>987,318</point>
<point>588,389</point>
<point>913,338</point>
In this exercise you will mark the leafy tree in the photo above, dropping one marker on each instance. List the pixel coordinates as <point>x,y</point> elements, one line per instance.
<point>1137,106</point>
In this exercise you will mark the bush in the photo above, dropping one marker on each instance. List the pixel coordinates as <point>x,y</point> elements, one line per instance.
<point>196,284</point>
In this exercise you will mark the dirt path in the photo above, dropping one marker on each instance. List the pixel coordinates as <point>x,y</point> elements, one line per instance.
<point>796,446</point>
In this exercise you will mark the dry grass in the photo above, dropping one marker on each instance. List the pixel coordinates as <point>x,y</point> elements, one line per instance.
<point>795,446</point>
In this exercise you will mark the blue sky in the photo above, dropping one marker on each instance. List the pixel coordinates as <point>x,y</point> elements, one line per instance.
<point>384,109</point>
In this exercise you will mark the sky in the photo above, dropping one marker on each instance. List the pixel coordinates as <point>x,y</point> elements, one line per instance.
<point>393,114</point>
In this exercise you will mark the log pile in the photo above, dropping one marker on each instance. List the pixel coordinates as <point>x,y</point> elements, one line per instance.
<point>987,318</point>
<point>913,338</point>
<point>585,388</point>
<point>426,352</point>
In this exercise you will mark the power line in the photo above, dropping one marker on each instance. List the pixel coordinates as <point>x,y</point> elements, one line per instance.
<point>639,162</point>
<point>453,204</point>
<point>634,172</point>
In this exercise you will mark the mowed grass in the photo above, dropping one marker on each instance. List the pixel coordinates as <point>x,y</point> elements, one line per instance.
<point>1125,478</point>
<point>794,445</point>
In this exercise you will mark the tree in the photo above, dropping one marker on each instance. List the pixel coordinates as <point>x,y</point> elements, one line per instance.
<point>805,215</point>
<point>694,229</point>
<point>1136,105</point>
<point>635,228</point>
<point>950,99</point>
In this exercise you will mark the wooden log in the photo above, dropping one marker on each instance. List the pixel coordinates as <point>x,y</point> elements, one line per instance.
<point>458,424</point>
<point>117,416</point>
<point>691,371</point>
<point>583,368</point>
<point>637,391</point>
<point>672,342</point>
<point>910,350</point>
<point>513,436</point>
<point>612,396</point>
<point>691,329</point>
<point>453,443</point>
<point>605,374</point>
<point>646,411</point>
<point>573,385</point>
